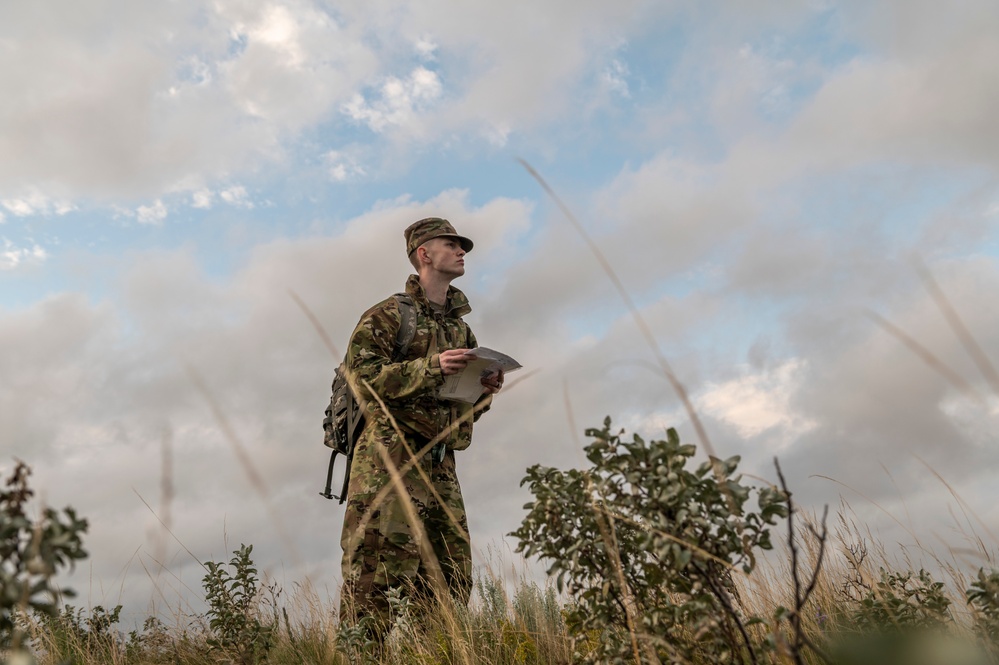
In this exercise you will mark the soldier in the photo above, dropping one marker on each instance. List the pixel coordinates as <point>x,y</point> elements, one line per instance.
<point>405,526</point>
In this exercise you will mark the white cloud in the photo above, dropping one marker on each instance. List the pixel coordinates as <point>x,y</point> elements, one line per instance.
<point>202,199</point>
<point>18,207</point>
<point>35,203</point>
<point>12,256</point>
<point>279,30</point>
<point>151,214</point>
<point>342,166</point>
<point>977,421</point>
<point>399,100</point>
<point>923,111</point>
<point>187,94</point>
<point>615,78</point>
<point>498,134</point>
<point>236,196</point>
<point>165,94</point>
<point>426,47</point>
<point>756,402</point>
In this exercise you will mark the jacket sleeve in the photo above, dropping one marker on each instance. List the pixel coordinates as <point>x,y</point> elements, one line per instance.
<point>369,357</point>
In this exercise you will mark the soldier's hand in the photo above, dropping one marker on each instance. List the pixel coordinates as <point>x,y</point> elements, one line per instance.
<point>453,361</point>
<point>493,382</point>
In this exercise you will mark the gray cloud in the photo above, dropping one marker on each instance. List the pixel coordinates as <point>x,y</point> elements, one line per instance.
<point>112,103</point>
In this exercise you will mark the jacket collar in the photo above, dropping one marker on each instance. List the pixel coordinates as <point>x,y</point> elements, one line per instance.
<point>456,305</point>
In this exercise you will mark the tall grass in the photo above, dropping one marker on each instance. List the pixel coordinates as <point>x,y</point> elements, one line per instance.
<point>499,627</point>
<point>523,624</point>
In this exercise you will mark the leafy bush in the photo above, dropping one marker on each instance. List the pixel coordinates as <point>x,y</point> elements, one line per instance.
<point>233,613</point>
<point>646,546</point>
<point>903,602</point>
<point>74,636</point>
<point>32,552</point>
<point>983,597</point>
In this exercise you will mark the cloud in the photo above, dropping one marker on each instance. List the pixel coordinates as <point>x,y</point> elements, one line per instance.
<point>202,199</point>
<point>236,196</point>
<point>508,70</point>
<point>877,402</point>
<point>35,203</point>
<point>343,166</point>
<point>12,256</point>
<point>165,94</point>
<point>756,402</point>
<point>18,207</point>
<point>924,107</point>
<point>183,94</point>
<point>151,214</point>
<point>398,102</point>
<point>426,47</point>
<point>615,78</point>
<point>927,111</point>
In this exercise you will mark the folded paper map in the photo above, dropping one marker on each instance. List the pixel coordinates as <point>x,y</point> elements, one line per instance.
<point>466,384</point>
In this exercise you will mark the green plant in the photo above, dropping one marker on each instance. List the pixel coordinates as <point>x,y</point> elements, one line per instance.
<point>233,608</point>
<point>983,597</point>
<point>74,636</point>
<point>646,548</point>
<point>901,602</point>
<point>356,641</point>
<point>152,643</point>
<point>32,551</point>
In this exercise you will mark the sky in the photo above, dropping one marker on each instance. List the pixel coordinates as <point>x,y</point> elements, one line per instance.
<point>778,185</point>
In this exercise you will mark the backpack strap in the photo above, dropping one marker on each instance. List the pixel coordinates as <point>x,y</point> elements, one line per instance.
<point>403,339</point>
<point>407,329</point>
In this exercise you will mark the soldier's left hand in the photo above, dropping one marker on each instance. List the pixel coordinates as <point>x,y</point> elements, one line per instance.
<point>493,382</point>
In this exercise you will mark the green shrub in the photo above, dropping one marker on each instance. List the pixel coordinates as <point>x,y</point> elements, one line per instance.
<point>983,597</point>
<point>646,546</point>
<point>233,609</point>
<point>901,602</point>
<point>32,552</point>
<point>75,637</point>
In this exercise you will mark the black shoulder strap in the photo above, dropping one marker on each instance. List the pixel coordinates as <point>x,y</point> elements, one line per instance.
<point>407,329</point>
<point>403,339</point>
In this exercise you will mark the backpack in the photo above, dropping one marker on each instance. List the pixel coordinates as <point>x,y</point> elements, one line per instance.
<point>344,419</point>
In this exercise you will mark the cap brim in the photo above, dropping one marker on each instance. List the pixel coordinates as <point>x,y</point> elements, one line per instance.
<point>466,244</point>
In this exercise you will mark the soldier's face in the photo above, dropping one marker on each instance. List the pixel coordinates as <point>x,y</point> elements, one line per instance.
<point>446,256</point>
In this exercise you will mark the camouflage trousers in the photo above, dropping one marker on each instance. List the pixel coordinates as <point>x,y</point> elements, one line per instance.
<point>381,548</point>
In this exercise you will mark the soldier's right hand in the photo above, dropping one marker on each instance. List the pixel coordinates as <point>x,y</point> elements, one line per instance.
<point>453,361</point>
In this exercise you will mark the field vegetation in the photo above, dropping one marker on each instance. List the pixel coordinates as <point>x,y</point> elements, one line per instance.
<point>652,559</point>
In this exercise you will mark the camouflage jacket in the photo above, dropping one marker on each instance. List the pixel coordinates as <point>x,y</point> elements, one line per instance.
<point>409,387</point>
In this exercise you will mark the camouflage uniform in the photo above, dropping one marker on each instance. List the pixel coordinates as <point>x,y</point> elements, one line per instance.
<point>380,550</point>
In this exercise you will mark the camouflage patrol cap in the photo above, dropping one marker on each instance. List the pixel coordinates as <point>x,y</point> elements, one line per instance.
<point>432,227</point>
